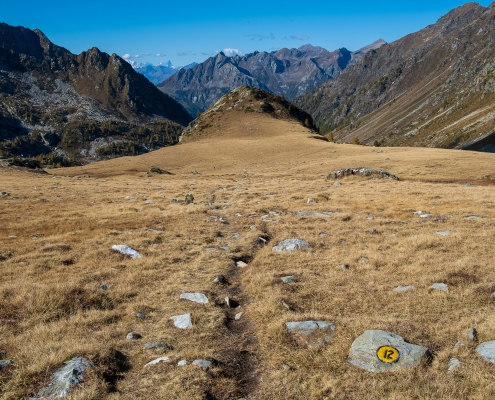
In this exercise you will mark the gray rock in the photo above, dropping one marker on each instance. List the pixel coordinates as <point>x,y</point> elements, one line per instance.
<point>226,248</point>
<point>238,316</point>
<point>362,171</point>
<point>127,251</point>
<point>158,361</point>
<point>311,201</point>
<point>344,267</point>
<point>129,198</point>
<point>104,287</point>
<point>440,286</point>
<point>426,216</point>
<point>363,259</point>
<point>205,364</point>
<point>474,217</point>
<point>4,363</point>
<point>241,264</point>
<point>289,280</point>
<point>401,288</point>
<point>4,194</point>
<point>188,199</point>
<point>324,235</point>
<point>220,279</point>
<point>487,351</point>
<point>174,201</point>
<point>443,233</point>
<point>381,351</point>
<point>253,227</point>
<point>292,245</point>
<point>454,364</point>
<point>195,297</point>
<point>64,379</point>
<point>156,345</point>
<point>182,321</point>
<point>141,315</point>
<point>133,336</point>
<point>373,231</point>
<point>472,335</point>
<point>458,345</point>
<point>311,333</point>
<point>237,236</point>
<point>337,184</point>
<point>148,202</point>
<point>182,363</point>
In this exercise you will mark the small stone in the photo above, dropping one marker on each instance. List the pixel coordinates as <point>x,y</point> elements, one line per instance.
<point>472,335</point>
<point>373,231</point>
<point>5,194</point>
<point>205,364</point>
<point>104,287</point>
<point>288,308</point>
<point>474,217</point>
<point>174,201</point>
<point>311,333</point>
<point>324,235</point>
<point>231,303</point>
<point>426,216</point>
<point>363,259</point>
<point>487,351</point>
<point>64,379</point>
<point>156,345</point>
<point>4,363</point>
<point>12,237</point>
<point>158,361</point>
<point>344,267</point>
<point>418,212</point>
<point>337,184</point>
<point>458,345</point>
<point>225,248</point>
<point>129,198</point>
<point>220,279</point>
<point>241,264</point>
<point>182,363</point>
<point>238,316</point>
<point>381,351</point>
<point>210,249</point>
<point>237,236</point>
<point>237,215</point>
<point>148,202</point>
<point>133,336</point>
<point>289,280</point>
<point>315,214</point>
<point>401,288</point>
<point>443,233</point>
<point>141,315</point>
<point>188,199</point>
<point>182,321</point>
<point>440,286</point>
<point>253,227</point>
<point>127,251</point>
<point>454,364</point>
<point>195,297</point>
<point>311,201</point>
<point>290,245</point>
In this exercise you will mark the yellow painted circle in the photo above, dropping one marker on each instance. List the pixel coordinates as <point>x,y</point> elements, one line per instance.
<point>388,354</point>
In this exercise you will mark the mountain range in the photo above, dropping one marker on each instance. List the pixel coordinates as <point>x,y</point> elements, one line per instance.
<point>286,72</point>
<point>432,88</point>
<point>60,106</point>
<point>158,73</point>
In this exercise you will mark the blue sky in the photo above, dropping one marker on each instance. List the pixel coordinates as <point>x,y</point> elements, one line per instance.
<point>187,31</point>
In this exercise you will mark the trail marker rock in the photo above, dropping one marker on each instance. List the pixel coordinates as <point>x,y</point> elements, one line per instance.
<point>381,351</point>
<point>195,297</point>
<point>188,199</point>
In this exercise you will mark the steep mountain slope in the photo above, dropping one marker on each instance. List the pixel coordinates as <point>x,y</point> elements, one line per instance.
<point>431,88</point>
<point>57,104</point>
<point>286,72</point>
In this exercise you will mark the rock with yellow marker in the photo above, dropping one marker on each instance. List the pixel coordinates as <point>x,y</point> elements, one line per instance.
<point>381,351</point>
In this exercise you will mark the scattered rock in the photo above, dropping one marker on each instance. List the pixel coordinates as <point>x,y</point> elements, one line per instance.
<point>253,227</point>
<point>292,245</point>
<point>468,185</point>
<point>174,201</point>
<point>418,212</point>
<point>196,297</point>
<point>454,364</point>
<point>373,231</point>
<point>4,194</point>
<point>238,316</point>
<point>381,351</point>
<point>182,321</point>
<point>336,184</point>
<point>487,351</point>
<point>156,345</point>
<point>440,286</point>
<point>205,364</point>
<point>226,248</point>
<point>363,259</point>
<point>362,171</point>
<point>241,264</point>
<point>231,303</point>
<point>311,201</point>
<point>426,216</point>
<point>237,236</point>
<point>158,361</point>
<point>148,202</point>
<point>127,251</point>
<point>182,363</point>
<point>130,198</point>
<point>141,315</point>
<point>315,214</point>
<point>155,231</point>
<point>344,267</point>
<point>474,217</point>
<point>12,237</point>
<point>64,379</point>
<point>104,287</point>
<point>472,335</point>
<point>289,280</point>
<point>324,235</point>
<point>157,170</point>
<point>188,199</point>
<point>458,345</point>
<point>443,233</point>
<point>401,288</point>
<point>311,333</point>
<point>220,279</point>
<point>133,336</point>
<point>237,215</point>
<point>4,363</point>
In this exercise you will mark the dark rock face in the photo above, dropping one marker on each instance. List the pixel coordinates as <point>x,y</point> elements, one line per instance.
<point>47,91</point>
<point>286,72</point>
<point>431,88</point>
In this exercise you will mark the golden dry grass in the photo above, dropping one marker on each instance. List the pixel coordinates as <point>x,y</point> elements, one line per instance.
<point>51,308</point>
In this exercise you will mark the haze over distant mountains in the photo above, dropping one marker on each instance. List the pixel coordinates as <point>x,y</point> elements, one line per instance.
<point>158,73</point>
<point>286,72</point>
<point>434,88</point>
